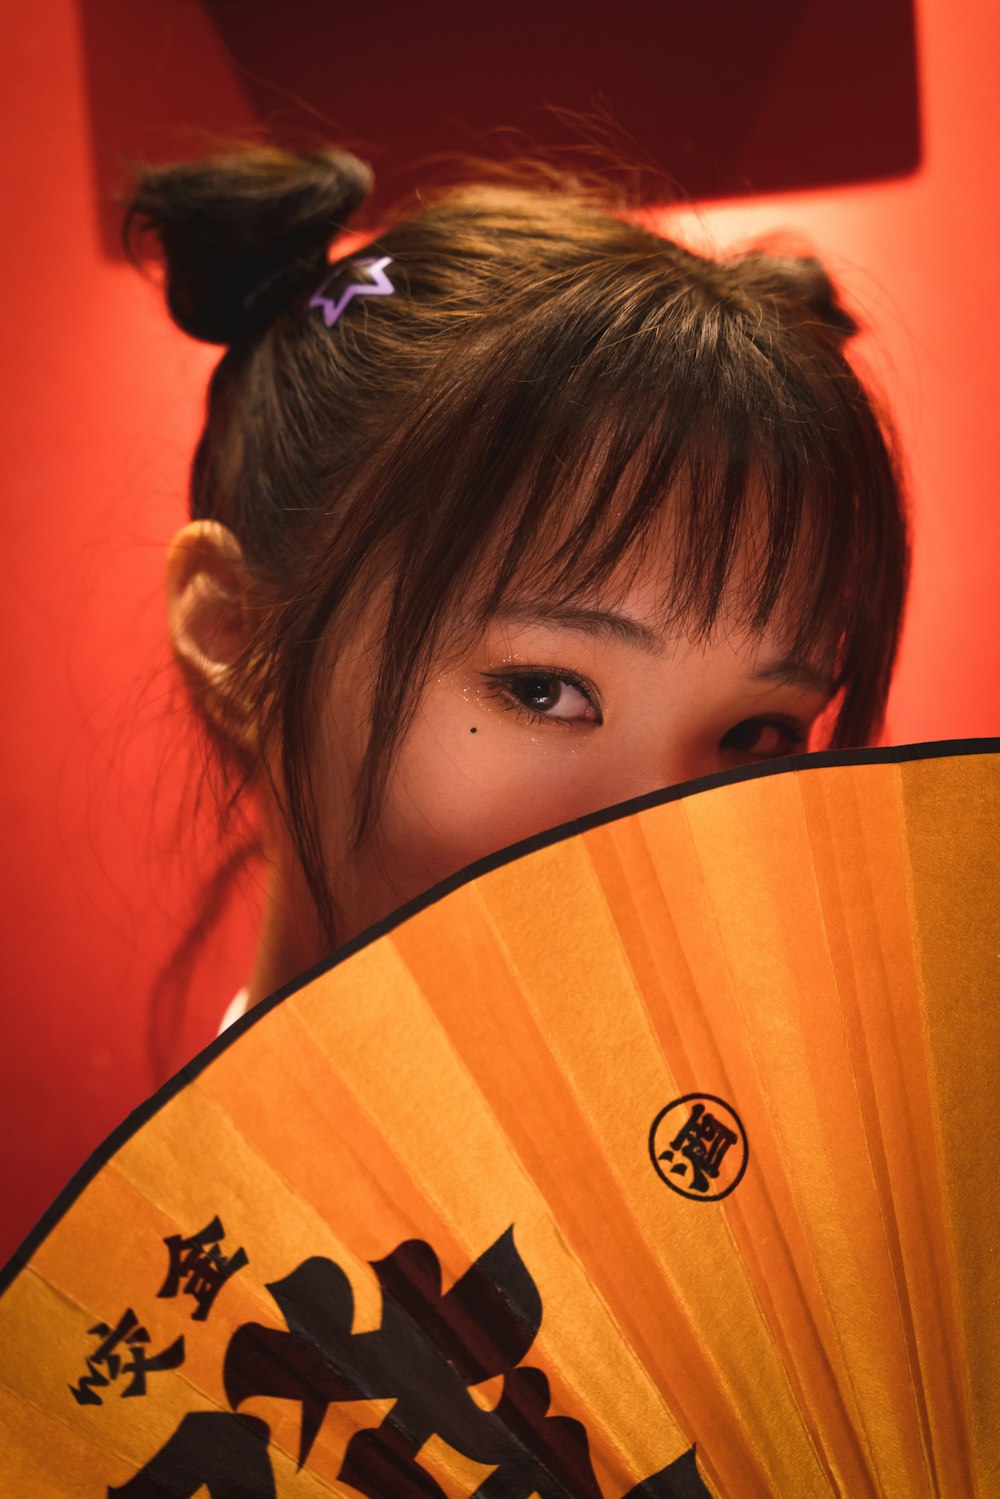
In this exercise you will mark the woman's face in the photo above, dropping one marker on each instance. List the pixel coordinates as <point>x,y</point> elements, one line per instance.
<point>550,715</point>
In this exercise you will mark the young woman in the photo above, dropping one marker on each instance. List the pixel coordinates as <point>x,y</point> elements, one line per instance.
<point>507,512</point>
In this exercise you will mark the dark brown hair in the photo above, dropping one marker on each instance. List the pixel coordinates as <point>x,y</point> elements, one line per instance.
<point>549,376</point>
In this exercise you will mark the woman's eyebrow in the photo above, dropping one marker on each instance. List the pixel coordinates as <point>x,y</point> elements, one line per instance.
<point>792,673</point>
<point>601,623</point>
<point>606,623</point>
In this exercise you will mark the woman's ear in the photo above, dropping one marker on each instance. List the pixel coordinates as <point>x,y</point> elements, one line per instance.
<point>206,596</point>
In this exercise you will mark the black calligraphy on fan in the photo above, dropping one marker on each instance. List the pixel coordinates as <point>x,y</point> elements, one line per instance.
<point>431,1348</point>
<point>197,1268</point>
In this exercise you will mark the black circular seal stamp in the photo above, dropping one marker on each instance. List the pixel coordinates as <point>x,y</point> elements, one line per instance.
<point>699,1147</point>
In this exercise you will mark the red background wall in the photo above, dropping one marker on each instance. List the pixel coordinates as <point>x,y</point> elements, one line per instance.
<point>102,399</point>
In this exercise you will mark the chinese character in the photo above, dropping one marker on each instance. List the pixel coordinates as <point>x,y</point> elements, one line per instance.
<point>213,1450</point>
<point>703,1140</point>
<point>432,1346</point>
<point>130,1338</point>
<point>205,1269</point>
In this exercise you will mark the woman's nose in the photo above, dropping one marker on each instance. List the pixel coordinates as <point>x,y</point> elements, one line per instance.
<point>626,782</point>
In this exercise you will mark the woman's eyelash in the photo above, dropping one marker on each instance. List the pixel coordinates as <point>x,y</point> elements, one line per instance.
<point>502,685</point>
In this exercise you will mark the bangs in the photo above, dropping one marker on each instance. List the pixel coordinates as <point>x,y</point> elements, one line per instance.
<point>755,478</point>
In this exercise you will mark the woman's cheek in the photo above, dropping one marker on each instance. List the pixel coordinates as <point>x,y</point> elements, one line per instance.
<point>488,784</point>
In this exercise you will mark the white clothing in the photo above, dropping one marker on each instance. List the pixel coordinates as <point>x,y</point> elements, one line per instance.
<point>237,1007</point>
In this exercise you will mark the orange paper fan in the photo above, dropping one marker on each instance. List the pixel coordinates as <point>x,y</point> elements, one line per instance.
<point>655,1157</point>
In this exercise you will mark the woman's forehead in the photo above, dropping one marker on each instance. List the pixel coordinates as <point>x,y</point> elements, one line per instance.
<point>651,580</point>
<point>630,609</point>
<point>637,617</point>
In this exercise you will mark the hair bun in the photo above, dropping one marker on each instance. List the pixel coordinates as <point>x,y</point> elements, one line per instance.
<point>799,280</point>
<point>238,230</point>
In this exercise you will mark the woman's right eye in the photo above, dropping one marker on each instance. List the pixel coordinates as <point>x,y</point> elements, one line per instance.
<point>767,738</point>
<point>545,696</point>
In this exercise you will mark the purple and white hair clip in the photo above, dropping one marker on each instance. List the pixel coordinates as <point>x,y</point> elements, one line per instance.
<point>378,286</point>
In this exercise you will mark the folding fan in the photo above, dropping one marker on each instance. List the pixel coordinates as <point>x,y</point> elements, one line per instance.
<point>654,1157</point>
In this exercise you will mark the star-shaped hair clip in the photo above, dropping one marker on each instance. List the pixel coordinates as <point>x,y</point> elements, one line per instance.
<point>378,286</point>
